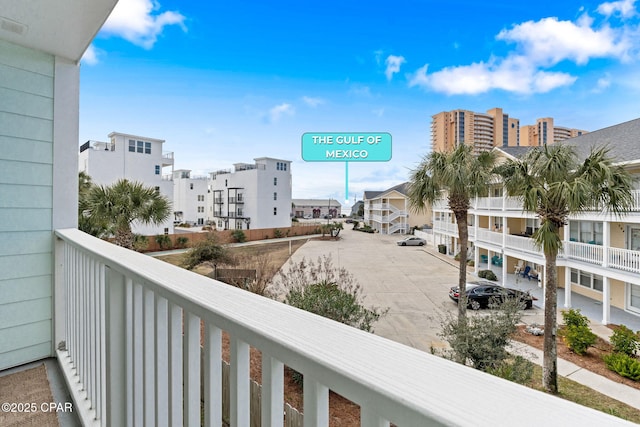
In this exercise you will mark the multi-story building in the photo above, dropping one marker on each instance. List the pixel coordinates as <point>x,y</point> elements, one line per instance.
<point>484,130</point>
<point>316,208</point>
<point>600,251</point>
<point>252,195</point>
<point>190,198</point>
<point>545,132</point>
<point>131,157</point>
<point>389,211</point>
<point>492,129</point>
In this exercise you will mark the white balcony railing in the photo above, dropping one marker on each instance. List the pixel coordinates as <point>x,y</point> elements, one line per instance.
<point>624,259</point>
<point>584,252</point>
<point>130,330</point>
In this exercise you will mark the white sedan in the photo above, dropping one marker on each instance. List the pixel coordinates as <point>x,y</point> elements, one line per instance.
<point>412,241</point>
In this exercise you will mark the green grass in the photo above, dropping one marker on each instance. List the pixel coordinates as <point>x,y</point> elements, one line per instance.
<point>585,396</point>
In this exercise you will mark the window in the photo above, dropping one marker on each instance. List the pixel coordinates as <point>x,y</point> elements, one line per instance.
<point>201,197</point>
<point>191,186</point>
<point>238,225</point>
<point>157,169</point>
<point>225,182</point>
<point>200,209</point>
<point>275,211</point>
<point>157,190</point>
<point>275,181</point>
<point>147,148</point>
<point>139,146</point>
<point>219,223</point>
<point>275,196</point>
<point>166,231</point>
<point>588,280</point>
<point>586,232</point>
<point>132,146</point>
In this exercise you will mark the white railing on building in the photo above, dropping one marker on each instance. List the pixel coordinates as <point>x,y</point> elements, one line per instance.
<point>524,244</point>
<point>489,236</point>
<point>624,259</point>
<point>130,331</point>
<point>586,252</point>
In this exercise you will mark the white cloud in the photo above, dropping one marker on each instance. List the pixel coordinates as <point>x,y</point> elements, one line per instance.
<point>312,102</point>
<point>90,56</point>
<point>138,22</point>
<point>360,90</point>
<point>626,8</point>
<point>378,55</point>
<point>602,84</point>
<point>393,64</point>
<point>549,41</point>
<point>378,112</point>
<point>539,46</point>
<point>278,111</point>
<point>513,75</point>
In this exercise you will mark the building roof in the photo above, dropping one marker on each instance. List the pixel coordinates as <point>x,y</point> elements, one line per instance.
<point>400,188</point>
<point>622,140</point>
<point>316,202</point>
<point>64,27</point>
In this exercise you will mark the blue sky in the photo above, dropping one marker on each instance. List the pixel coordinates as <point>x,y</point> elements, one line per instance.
<point>225,82</point>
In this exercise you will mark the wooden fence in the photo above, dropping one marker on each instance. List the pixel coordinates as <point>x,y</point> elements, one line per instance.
<point>225,236</point>
<point>292,417</point>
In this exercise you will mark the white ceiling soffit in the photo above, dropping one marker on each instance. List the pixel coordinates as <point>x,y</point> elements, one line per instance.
<point>60,27</point>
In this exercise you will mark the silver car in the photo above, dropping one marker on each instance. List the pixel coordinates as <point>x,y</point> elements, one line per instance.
<point>412,241</point>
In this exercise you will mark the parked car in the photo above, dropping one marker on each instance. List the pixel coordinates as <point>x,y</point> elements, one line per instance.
<point>482,294</point>
<point>308,217</point>
<point>412,241</point>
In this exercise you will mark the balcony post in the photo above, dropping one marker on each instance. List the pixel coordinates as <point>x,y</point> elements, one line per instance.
<point>606,300</point>
<point>272,391</point>
<point>60,296</point>
<point>606,242</point>
<point>115,350</point>
<point>567,287</point>
<point>316,403</point>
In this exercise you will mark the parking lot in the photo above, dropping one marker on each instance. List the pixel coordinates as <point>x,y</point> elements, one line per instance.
<point>412,281</point>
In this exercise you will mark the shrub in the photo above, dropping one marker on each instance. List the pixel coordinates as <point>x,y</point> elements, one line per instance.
<point>576,334</point>
<point>140,242</point>
<point>487,274</point>
<point>624,365</point>
<point>294,219</point>
<point>573,317</point>
<point>471,263</point>
<point>624,340</point>
<point>518,370</point>
<point>481,341</point>
<point>239,236</point>
<point>182,241</point>
<point>163,240</point>
<point>209,252</point>
<point>578,338</point>
<point>321,288</point>
<point>277,233</point>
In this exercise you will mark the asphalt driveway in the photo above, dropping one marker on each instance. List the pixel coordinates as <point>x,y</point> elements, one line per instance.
<point>412,281</point>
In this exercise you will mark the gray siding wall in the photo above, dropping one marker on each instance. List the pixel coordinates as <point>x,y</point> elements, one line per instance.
<point>26,188</point>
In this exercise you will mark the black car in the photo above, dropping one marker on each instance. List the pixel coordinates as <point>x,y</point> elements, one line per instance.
<point>482,294</point>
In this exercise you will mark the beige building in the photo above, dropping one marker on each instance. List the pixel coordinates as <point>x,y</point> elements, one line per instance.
<point>600,251</point>
<point>388,211</point>
<point>492,129</point>
<point>545,132</point>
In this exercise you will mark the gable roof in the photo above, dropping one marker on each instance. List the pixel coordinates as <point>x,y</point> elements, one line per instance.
<point>400,188</point>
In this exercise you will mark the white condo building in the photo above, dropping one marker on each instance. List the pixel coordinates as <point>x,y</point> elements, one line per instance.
<point>190,198</point>
<point>131,157</point>
<point>252,195</point>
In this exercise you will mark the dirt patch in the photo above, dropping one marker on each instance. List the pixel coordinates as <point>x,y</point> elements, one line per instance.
<point>591,361</point>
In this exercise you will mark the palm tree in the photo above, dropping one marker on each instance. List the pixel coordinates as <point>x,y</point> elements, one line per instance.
<point>463,175</point>
<point>85,222</point>
<point>124,202</point>
<point>554,184</point>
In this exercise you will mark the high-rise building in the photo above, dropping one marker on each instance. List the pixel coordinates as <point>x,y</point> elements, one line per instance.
<point>492,129</point>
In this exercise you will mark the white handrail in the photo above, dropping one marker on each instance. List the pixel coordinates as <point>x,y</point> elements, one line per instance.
<point>130,347</point>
